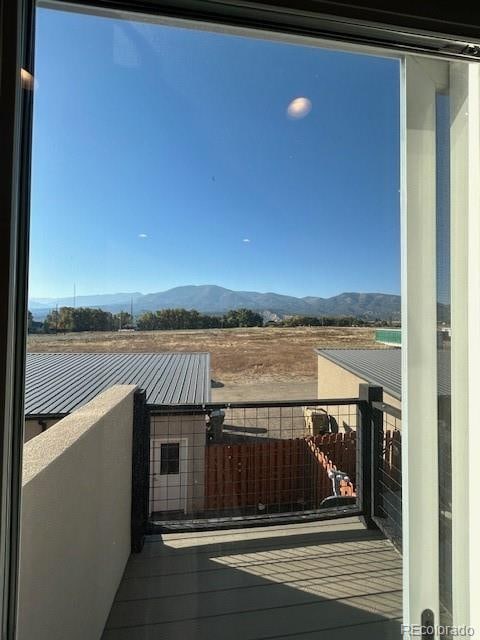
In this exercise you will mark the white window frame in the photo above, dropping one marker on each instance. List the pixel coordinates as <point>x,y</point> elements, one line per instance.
<point>420,79</point>
<point>419,347</point>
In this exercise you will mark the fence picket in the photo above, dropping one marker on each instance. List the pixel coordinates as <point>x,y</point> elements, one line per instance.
<point>285,474</point>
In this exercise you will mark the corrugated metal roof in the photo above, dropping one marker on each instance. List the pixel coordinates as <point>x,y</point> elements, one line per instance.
<point>383,367</point>
<point>57,383</point>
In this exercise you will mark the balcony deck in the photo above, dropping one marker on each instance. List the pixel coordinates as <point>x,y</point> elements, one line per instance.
<point>330,580</point>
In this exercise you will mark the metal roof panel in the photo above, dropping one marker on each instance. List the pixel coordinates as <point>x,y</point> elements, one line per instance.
<point>384,367</point>
<point>58,383</point>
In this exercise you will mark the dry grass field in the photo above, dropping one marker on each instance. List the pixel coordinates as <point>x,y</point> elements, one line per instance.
<point>239,356</point>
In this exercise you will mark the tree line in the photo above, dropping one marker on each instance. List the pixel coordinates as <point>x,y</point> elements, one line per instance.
<point>324,321</point>
<point>191,319</point>
<point>70,319</point>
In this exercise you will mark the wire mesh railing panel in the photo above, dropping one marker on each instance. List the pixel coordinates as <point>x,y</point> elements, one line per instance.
<point>388,492</point>
<point>244,461</point>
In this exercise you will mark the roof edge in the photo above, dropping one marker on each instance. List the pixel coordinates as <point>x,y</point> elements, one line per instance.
<point>359,374</point>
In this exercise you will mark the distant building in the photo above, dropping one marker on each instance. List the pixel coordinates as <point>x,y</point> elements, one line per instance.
<point>340,371</point>
<point>59,383</point>
<point>390,337</point>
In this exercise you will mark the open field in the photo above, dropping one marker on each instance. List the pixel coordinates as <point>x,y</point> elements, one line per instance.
<point>269,356</point>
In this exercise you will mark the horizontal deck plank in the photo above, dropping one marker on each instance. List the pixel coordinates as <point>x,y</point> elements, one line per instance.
<point>322,580</point>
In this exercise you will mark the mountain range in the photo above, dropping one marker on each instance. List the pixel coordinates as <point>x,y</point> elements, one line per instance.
<point>215,299</point>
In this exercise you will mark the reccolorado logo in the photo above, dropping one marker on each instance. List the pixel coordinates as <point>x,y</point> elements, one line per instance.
<point>434,631</point>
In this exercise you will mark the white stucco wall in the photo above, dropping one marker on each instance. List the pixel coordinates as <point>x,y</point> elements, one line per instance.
<point>336,382</point>
<point>75,520</point>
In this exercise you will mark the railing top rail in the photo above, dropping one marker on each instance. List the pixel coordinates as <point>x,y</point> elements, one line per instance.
<point>388,409</point>
<point>259,404</point>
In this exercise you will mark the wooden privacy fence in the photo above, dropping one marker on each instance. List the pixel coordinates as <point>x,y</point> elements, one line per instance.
<point>330,453</point>
<point>257,475</point>
<point>278,475</point>
<point>340,448</point>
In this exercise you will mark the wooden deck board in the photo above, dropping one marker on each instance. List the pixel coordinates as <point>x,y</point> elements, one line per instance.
<point>318,580</point>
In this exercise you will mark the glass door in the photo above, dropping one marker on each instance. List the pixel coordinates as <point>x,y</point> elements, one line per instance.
<point>266,129</point>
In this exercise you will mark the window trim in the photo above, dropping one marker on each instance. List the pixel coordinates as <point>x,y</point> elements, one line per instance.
<point>16,37</point>
<point>298,19</point>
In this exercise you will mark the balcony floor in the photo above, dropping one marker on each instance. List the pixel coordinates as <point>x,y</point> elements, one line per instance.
<point>328,580</point>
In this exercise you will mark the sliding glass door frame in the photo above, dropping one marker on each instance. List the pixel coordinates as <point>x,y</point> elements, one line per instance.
<point>436,560</point>
<point>419,349</point>
<point>465,260</point>
<point>420,543</point>
<point>471,515</point>
<point>16,53</point>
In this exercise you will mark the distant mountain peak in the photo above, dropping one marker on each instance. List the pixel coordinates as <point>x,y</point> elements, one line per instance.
<point>212,298</point>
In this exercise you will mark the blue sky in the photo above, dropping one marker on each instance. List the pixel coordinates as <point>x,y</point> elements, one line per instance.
<point>166,156</point>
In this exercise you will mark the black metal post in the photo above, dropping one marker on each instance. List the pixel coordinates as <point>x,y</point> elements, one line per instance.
<point>140,470</point>
<point>368,458</point>
<point>377,456</point>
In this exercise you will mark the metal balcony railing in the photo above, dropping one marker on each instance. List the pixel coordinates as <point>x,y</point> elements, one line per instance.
<point>227,465</point>
<point>387,470</point>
